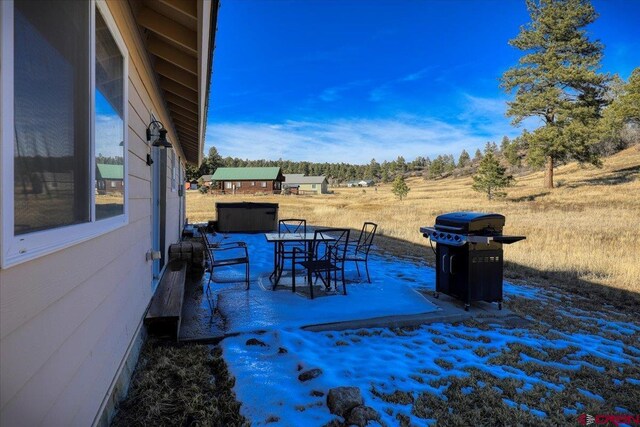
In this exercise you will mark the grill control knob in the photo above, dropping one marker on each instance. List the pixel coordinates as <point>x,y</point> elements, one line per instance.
<point>449,236</point>
<point>442,235</point>
<point>456,238</point>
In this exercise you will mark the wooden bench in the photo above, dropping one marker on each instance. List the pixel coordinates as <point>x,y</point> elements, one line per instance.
<point>165,310</point>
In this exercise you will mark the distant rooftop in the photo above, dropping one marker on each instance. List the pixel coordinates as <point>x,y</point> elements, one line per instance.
<point>105,171</point>
<point>296,178</point>
<point>247,174</point>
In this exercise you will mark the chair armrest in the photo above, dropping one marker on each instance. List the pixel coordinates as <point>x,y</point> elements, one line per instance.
<point>232,244</point>
<point>228,248</point>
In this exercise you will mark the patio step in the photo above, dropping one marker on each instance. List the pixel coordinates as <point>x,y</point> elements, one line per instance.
<point>165,310</point>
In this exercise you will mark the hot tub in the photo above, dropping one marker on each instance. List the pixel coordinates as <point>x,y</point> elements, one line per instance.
<point>247,217</point>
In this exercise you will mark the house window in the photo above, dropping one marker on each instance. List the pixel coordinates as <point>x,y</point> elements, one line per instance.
<point>253,183</point>
<point>228,185</point>
<point>109,120</point>
<point>238,184</point>
<point>263,184</point>
<point>64,113</point>
<point>313,186</point>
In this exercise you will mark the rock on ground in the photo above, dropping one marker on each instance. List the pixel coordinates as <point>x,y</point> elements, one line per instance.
<point>341,400</point>
<point>310,374</point>
<point>255,341</point>
<point>361,415</point>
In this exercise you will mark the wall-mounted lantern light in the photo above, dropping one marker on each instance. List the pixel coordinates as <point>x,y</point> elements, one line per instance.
<point>160,134</point>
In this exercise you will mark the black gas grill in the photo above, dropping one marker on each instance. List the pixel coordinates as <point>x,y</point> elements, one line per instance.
<point>469,263</point>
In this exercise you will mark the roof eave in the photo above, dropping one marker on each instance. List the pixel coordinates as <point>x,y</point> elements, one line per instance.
<point>207,27</point>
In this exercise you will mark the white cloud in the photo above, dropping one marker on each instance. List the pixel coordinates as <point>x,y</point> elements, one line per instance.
<point>334,93</point>
<point>417,75</point>
<point>381,92</point>
<point>109,135</point>
<point>358,140</point>
<point>349,140</point>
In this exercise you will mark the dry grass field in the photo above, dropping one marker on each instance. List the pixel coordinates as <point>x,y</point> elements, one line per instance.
<point>586,231</point>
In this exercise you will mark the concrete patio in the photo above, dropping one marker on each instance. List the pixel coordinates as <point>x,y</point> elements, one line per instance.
<point>399,295</point>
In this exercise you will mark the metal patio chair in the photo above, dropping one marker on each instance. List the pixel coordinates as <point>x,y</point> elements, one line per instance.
<point>219,254</point>
<point>326,259</point>
<point>359,251</point>
<point>285,249</point>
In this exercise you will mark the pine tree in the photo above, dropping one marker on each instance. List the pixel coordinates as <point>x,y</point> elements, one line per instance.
<point>557,81</point>
<point>621,119</point>
<point>464,159</point>
<point>477,157</point>
<point>510,151</point>
<point>212,162</point>
<point>491,176</point>
<point>437,168</point>
<point>400,187</point>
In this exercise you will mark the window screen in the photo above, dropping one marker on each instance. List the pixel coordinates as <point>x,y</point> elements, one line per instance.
<point>52,114</point>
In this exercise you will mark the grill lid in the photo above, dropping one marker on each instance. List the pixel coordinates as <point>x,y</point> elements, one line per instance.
<point>471,222</point>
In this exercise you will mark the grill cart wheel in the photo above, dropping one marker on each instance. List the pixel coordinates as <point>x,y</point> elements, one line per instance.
<point>500,306</point>
<point>466,307</point>
<point>436,295</point>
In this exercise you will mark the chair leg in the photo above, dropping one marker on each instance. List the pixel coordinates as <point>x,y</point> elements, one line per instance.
<point>311,289</point>
<point>357,268</point>
<point>280,269</point>
<point>248,276</point>
<point>293,275</point>
<point>366,266</point>
<point>208,288</point>
<point>344,284</point>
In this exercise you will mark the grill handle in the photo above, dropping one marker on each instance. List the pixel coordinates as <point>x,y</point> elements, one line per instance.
<point>449,228</point>
<point>443,258</point>
<point>451,264</point>
<point>508,239</point>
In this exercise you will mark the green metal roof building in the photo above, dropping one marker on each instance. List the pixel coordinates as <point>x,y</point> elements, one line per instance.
<point>113,172</point>
<point>248,180</point>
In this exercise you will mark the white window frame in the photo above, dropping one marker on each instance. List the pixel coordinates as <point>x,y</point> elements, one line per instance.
<point>16,249</point>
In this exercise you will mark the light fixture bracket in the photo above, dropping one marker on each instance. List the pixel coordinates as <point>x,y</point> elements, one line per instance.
<point>161,137</point>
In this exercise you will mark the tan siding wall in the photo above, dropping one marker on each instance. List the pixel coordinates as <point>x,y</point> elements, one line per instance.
<point>66,319</point>
<point>246,187</point>
<point>320,188</point>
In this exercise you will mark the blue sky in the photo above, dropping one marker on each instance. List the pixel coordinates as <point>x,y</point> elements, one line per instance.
<point>351,80</point>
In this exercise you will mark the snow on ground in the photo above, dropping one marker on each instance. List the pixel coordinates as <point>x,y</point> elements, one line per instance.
<point>381,361</point>
<point>385,361</point>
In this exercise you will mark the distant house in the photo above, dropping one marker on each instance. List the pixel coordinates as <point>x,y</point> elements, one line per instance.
<point>248,180</point>
<point>307,184</point>
<point>109,178</point>
<point>366,183</point>
<point>205,180</point>
<point>191,185</point>
<point>352,183</point>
